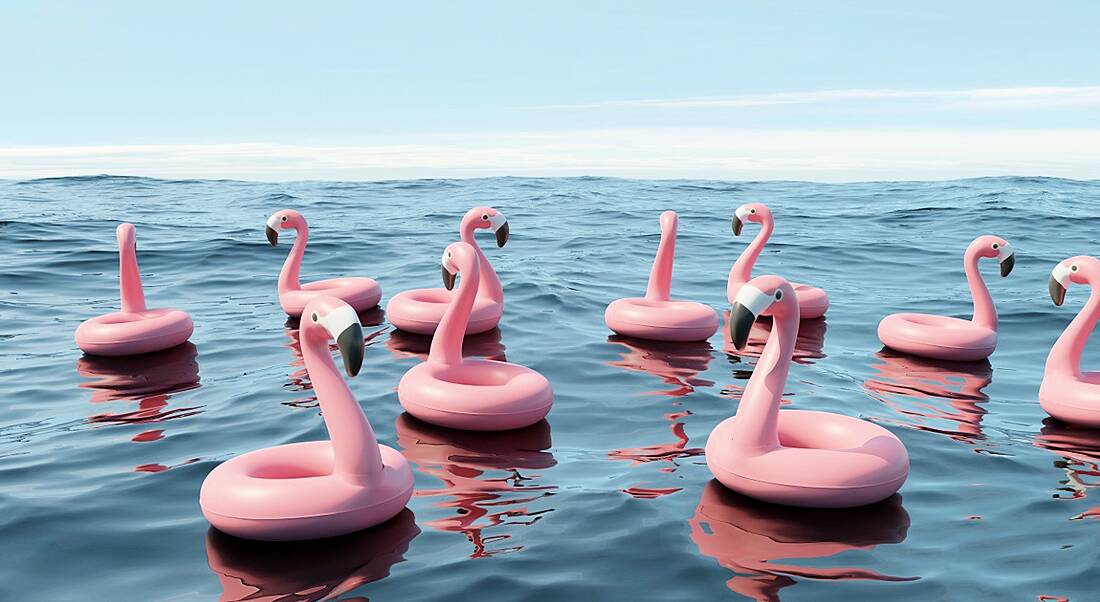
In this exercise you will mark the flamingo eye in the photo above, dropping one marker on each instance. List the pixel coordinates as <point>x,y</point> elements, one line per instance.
<point>752,210</point>
<point>778,295</point>
<point>284,218</point>
<point>448,253</point>
<point>485,216</point>
<point>996,246</point>
<point>1073,268</point>
<point>314,317</point>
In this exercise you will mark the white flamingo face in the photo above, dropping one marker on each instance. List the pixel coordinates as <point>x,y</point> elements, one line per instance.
<point>753,299</point>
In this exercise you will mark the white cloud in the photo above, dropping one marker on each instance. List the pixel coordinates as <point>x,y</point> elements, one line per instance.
<point>975,98</point>
<point>629,152</point>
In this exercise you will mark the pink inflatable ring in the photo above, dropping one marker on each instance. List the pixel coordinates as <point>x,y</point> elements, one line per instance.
<point>420,310</point>
<point>796,457</point>
<point>656,317</point>
<point>135,329</point>
<point>948,338</point>
<point>1068,393</point>
<point>320,488</point>
<point>472,394</point>
<point>812,301</point>
<point>360,293</point>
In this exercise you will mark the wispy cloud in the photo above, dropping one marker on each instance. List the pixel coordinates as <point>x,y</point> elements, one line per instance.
<point>989,98</point>
<point>722,153</point>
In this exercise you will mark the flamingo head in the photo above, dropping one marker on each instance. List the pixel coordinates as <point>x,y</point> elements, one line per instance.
<point>487,218</point>
<point>282,220</point>
<point>749,212</point>
<point>458,258</point>
<point>332,319</point>
<point>1077,270</point>
<point>994,246</point>
<point>770,294</point>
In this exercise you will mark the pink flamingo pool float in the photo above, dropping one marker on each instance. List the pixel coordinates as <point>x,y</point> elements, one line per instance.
<point>954,339</point>
<point>318,488</point>
<point>360,293</point>
<point>812,301</point>
<point>796,457</point>
<point>135,329</point>
<point>657,317</point>
<point>1067,393</point>
<point>420,310</point>
<point>472,393</point>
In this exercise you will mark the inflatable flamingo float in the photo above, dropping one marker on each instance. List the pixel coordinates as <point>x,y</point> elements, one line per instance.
<point>1067,393</point>
<point>136,329</point>
<point>656,317</point>
<point>954,339</point>
<point>319,488</point>
<point>360,293</point>
<point>420,310</point>
<point>471,394</point>
<point>796,457</point>
<point>812,301</point>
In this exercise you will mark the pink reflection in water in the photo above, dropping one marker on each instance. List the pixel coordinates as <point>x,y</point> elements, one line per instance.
<point>677,365</point>
<point>1080,450</point>
<point>149,380</point>
<point>488,477</point>
<point>751,538</point>
<point>933,396</point>
<point>311,571</point>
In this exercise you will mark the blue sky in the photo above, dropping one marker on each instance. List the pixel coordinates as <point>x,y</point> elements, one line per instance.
<point>362,90</point>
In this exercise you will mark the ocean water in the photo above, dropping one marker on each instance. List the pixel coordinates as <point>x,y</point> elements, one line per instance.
<point>609,499</point>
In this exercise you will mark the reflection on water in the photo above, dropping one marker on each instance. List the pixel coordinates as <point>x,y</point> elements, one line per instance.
<point>320,569</point>
<point>933,396</point>
<point>149,379</point>
<point>299,378</point>
<point>1080,450</point>
<point>808,347</point>
<point>750,538</point>
<point>410,345</point>
<point>487,477</point>
<point>677,365</point>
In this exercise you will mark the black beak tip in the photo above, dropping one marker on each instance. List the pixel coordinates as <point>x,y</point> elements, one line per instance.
<point>272,236</point>
<point>1057,291</point>
<point>350,343</point>
<point>1007,265</point>
<point>502,235</point>
<point>737,226</point>
<point>448,278</point>
<point>741,321</point>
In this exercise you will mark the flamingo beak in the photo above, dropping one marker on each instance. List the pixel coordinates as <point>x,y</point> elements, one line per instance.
<point>1057,291</point>
<point>272,236</point>
<point>448,278</point>
<point>1059,280</point>
<point>499,226</point>
<point>749,303</point>
<point>350,343</point>
<point>1007,264</point>
<point>738,225</point>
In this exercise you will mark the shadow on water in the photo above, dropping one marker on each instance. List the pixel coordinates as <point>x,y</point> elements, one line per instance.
<point>487,475</point>
<point>320,569</point>
<point>410,345</point>
<point>750,538</point>
<point>808,347</point>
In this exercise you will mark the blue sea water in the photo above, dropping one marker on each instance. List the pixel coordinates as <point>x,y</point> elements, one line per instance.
<point>610,499</point>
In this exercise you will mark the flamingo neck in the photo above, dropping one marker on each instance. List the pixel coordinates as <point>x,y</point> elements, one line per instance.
<point>488,284</point>
<point>131,294</point>
<point>357,458</point>
<point>985,313</point>
<point>758,413</point>
<point>741,272</point>
<point>447,344</point>
<point>660,277</point>
<point>288,276</point>
<point>1065,355</point>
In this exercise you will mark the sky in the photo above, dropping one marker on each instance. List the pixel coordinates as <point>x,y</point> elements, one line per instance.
<point>803,90</point>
